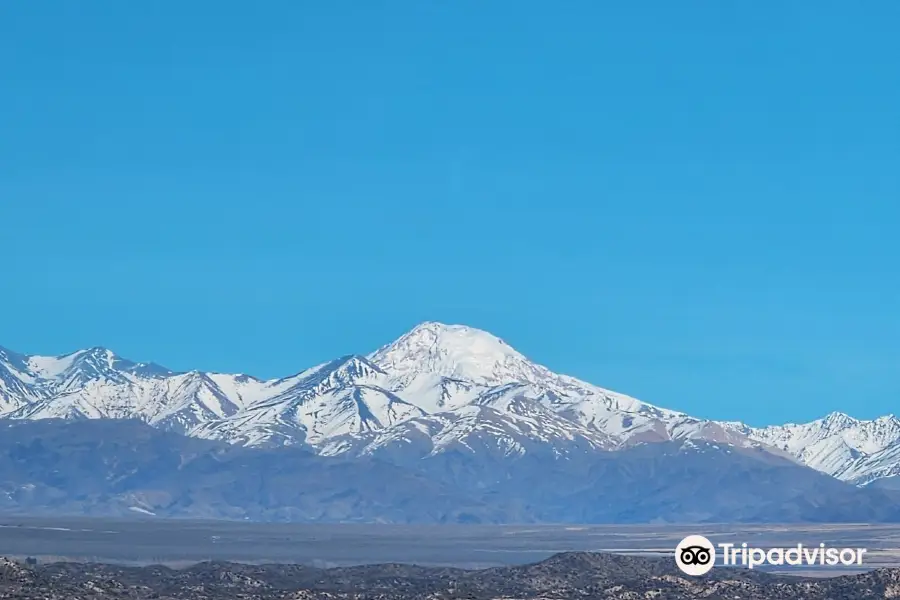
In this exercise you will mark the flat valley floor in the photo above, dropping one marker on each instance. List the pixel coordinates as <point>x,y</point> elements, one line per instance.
<point>182,542</point>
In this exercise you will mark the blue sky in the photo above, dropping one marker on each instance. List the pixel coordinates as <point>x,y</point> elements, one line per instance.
<point>695,203</point>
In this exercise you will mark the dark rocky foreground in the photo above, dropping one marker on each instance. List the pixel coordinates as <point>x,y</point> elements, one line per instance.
<point>570,575</point>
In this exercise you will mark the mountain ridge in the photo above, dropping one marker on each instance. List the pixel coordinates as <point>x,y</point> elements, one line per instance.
<point>437,386</point>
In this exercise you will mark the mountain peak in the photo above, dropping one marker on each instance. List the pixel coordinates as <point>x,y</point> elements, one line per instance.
<point>839,419</point>
<point>96,362</point>
<point>454,351</point>
<point>448,331</point>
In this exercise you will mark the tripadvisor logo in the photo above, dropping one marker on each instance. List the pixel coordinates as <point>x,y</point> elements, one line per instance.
<point>696,555</point>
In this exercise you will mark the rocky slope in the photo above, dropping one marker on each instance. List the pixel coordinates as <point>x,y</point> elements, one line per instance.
<point>569,575</point>
<point>116,468</point>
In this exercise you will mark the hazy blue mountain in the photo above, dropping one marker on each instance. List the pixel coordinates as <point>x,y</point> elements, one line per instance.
<point>118,467</point>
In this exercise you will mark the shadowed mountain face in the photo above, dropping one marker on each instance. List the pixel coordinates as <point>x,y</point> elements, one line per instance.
<point>112,467</point>
<point>570,575</point>
<point>666,482</point>
<point>109,467</point>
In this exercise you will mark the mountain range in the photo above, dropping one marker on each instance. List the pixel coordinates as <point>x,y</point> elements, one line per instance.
<point>460,409</point>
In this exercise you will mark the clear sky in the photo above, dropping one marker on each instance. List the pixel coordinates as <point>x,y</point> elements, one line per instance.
<point>695,203</point>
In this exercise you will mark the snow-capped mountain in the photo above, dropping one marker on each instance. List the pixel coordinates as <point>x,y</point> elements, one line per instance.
<point>837,444</point>
<point>506,421</point>
<point>345,396</point>
<point>95,383</point>
<point>442,368</point>
<point>438,388</point>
